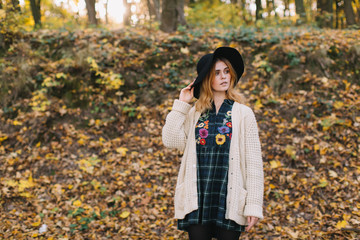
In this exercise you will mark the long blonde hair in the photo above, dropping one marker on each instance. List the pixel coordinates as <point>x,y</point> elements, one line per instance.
<point>206,97</point>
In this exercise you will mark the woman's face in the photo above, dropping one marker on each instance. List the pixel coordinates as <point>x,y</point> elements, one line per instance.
<point>221,82</point>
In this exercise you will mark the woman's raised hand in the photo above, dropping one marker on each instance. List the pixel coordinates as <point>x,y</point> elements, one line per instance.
<point>186,94</point>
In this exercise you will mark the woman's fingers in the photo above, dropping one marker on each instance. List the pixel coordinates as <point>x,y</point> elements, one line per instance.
<point>250,224</point>
<point>251,221</point>
<point>190,85</point>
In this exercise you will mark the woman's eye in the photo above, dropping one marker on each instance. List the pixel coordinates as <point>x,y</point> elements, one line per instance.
<point>226,71</point>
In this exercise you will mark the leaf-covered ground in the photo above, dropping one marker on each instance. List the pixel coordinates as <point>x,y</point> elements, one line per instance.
<point>80,141</point>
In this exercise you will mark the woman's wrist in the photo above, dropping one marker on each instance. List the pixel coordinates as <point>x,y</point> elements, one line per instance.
<point>188,102</point>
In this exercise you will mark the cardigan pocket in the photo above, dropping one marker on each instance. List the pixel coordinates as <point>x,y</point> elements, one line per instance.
<point>243,194</point>
<point>180,196</point>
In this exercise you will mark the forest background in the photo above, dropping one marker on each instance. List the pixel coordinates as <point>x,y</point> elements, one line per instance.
<point>85,87</point>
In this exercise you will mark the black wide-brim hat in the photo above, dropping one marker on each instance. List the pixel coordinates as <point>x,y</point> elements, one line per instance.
<point>204,65</point>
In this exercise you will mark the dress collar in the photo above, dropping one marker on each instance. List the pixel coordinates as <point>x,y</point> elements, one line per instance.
<point>226,101</point>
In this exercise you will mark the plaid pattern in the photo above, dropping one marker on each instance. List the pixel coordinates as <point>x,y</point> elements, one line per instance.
<point>213,136</point>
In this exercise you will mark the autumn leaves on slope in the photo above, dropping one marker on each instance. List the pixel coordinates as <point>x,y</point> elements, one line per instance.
<point>102,171</point>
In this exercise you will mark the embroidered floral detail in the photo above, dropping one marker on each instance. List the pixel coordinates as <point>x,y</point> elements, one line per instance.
<point>203,133</point>
<point>220,139</point>
<point>206,124</point>
<point>204,116</point>
<point>224,129</point>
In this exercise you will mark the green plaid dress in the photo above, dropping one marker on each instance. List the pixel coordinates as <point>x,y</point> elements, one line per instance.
<point>213,135</point>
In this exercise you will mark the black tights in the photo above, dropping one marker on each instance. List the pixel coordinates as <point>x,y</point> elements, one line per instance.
<point>205,232</point>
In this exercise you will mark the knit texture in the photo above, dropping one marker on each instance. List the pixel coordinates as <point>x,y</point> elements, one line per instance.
<point>245,174</point>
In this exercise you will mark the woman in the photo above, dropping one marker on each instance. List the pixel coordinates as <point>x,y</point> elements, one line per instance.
<point>219,191</point>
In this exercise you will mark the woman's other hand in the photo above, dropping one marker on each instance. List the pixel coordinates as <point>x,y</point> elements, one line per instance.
<point>186,94</point>
<point>251,221</point>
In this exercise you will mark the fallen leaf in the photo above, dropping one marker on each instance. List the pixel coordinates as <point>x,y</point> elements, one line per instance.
<point>124,214</point>
<point>341,224</point>
<point>77,203</point>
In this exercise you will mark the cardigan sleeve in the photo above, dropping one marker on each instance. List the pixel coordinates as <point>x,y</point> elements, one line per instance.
<point>254,168</point>
<point>174,132</point>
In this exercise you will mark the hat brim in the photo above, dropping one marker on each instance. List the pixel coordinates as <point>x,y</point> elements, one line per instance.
<point>202,74</point>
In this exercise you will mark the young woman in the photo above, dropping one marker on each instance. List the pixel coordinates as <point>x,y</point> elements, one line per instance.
<point>219,191</point>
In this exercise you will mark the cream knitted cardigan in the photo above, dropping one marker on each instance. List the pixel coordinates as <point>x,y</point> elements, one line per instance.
<point>246,177</point>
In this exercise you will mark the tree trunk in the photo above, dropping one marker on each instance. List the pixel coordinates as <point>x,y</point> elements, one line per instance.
<point>2,45</point>
<point>286,8</point>
<point>268,9</point>
<point>259,10</point>
<point>157,9</point>
<point>154,9</point>
<point>324,7</point>
<point>337,14</point>
<point>300,9</point>
<point>90,7</point>
<point>242,4</point>
<point>358,12</point>
<point>127,13</point>
<point>180,12</point>
<point>150,9</point>
<point>349,13</point>
<point>243,9</point>
<point>106,12</point>
<point>35,10</point>
<point>172,15</point>
<point>274,8</point>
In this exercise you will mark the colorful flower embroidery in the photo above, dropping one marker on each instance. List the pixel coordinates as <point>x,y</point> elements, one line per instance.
<point>224,129</point>
<point>220,139</point>
<point>227,117</point>
<point>203,133</point>
<point>206,124</point>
